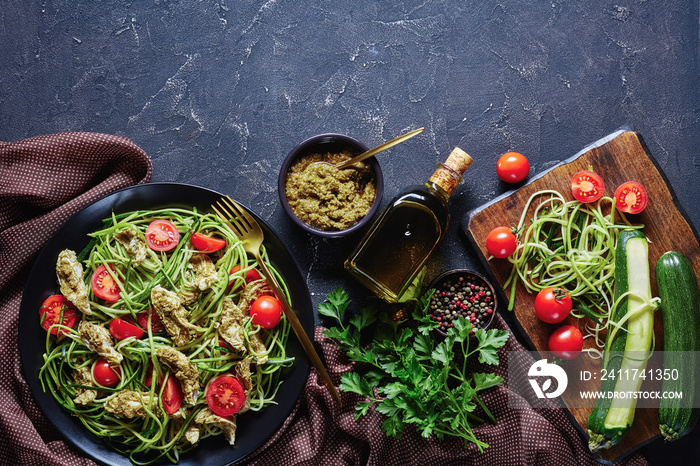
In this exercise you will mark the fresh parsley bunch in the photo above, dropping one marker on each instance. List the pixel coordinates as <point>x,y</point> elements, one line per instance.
<point>411,378</point>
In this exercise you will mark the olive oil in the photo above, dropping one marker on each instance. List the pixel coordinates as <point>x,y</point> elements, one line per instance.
<point>399,243</point>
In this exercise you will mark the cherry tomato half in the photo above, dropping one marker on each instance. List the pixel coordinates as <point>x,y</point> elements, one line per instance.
<point>501,242</point>
<point>156,324</point>
<point>162,235</point>
<point>225,395</point>
<point>266,311</point>
<point>104,374</point>
<point>58,309</point>
<point>250,276</point>
<point>512,167</point>
<point>207,244</point>
<point>631,197</point>
<point>103,285</point>
<point>172,396</point>
<point>566,342</point>
<point>587,186</point>
<point>122,329</point>
<point>148,380</point>
<point>552,304</point>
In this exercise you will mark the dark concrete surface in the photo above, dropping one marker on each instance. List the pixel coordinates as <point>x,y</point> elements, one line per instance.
<point>217,92</point>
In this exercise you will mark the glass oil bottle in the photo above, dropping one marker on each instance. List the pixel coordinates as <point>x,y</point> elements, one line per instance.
<point>396,248</point>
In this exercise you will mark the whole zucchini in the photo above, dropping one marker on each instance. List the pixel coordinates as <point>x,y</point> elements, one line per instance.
<point>680,310</point>
<point>611,419</point>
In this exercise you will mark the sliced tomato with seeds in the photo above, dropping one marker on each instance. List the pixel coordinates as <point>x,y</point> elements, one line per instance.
<point>207,244</point>
<point>172,395</point>
<point>587,186</point>
<point>225,395</point>
<point>162,235</point>
<point>103,285</point>
<point>122,329</point>
<point>631,197</point>
<point>58,309</point>
<point>105,374</point>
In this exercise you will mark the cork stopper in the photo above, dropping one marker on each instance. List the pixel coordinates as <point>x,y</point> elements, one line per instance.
<point>449,175</point>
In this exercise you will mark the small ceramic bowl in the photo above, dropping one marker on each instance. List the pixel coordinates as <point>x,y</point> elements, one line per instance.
<point>462,292</point>
<point>322,144</point>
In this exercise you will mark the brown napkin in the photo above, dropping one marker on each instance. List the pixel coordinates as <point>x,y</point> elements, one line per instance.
<point>44,180</point>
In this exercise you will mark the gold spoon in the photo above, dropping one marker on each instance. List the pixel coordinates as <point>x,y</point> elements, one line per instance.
<point>378,149</point>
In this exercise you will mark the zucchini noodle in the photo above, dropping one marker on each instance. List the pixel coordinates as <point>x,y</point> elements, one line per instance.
<point>159,435</point>
<point>570,245</point>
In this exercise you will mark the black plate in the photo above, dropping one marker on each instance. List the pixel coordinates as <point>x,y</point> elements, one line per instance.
<point>253,428</point>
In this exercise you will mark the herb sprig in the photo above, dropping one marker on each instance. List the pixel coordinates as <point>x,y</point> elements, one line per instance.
<point>411,378</point>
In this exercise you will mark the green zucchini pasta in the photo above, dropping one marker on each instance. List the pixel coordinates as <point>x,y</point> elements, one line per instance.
<point>155,434</point>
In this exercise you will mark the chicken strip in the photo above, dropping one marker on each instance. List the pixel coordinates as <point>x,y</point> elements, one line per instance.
<point>172,314</point>
<point>99,340</point>
<point>83,396</point>
<point>70,278</point>
<point>134,244</point>
<point>184,370</point>
<point>130,404</point>
<point>231,327</point>
<point>207,417</point>
<point>202,276</point>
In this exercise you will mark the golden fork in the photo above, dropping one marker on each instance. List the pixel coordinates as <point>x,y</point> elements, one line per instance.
<point>249,231</point>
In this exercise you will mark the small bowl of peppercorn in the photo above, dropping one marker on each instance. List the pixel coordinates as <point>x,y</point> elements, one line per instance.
<point>322,199</point>
<point>462,293</point>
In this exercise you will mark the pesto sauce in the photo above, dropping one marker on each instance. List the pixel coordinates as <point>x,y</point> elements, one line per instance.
<point>326,198</point>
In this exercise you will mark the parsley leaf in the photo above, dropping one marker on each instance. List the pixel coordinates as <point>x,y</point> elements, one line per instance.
<point>419,381</point>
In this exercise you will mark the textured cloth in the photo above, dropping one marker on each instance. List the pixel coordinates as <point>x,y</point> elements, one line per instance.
<point>45,180</point>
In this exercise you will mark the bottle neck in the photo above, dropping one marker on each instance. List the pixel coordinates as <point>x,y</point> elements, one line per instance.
<point>444,181</point>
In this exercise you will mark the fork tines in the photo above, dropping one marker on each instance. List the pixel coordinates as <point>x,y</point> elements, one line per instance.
<point>234,213</point>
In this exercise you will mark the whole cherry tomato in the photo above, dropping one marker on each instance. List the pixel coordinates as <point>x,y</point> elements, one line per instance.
<point>104,374</point>
<point>266,311</point>
<point>501,242</point>
<point>512,167</point>
<point>566,342</point>
<point>553,304</point>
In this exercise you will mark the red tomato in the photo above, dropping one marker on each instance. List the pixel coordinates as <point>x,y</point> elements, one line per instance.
<point>552,304</point>
<point>148,380</point>
<point>587,186</point>
<point>172,396</point>
<point>207,244</point>
<point>105,375</point>
<point>121,329</point>
<point>250,276</point>
<point>501,242</point>
<point>57,309</point>
<point>162,235</point>
<point>566,342</point>
<point>631,197</point>
<point>266,311</point>
<point>225,395</point>
<point>513,167</point>
<point>224,344</point>
<point>103,285</point>
<point>156,324</point>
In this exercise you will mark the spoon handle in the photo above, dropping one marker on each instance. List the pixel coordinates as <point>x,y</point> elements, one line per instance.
<point>379,148</point>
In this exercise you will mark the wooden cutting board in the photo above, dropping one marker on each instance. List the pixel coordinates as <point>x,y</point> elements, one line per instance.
<point>618,158</point>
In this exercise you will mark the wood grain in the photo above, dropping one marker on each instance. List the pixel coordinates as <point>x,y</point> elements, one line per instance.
<point>619,157</point>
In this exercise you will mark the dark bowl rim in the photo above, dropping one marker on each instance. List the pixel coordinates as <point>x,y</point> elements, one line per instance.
<point>323,139</point>
<point>444,275</point>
